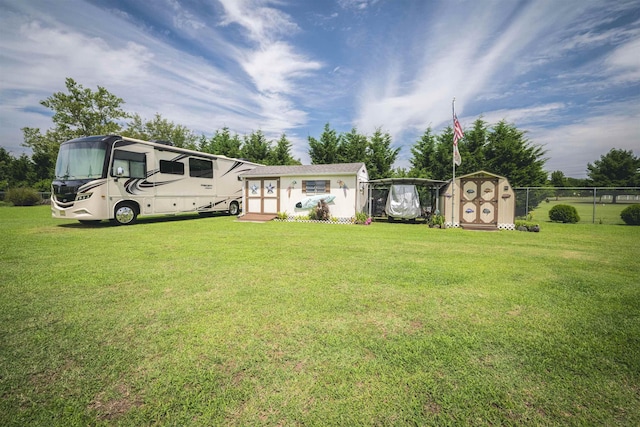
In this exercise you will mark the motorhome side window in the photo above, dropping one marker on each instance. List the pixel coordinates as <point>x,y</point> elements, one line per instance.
<point>127,164</point>
<point>174,168</point>
<point>200,168</point>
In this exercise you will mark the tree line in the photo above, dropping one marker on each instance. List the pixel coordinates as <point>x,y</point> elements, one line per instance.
<point>501,148</point>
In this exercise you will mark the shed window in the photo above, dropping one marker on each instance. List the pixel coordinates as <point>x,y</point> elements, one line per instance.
<point>316,187</point>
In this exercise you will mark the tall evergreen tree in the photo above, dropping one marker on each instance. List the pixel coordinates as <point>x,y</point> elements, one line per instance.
<point>423,156</point>
<point>256,148</point>
<point>324,151</point>
<point>281,153</point>
<point>472,147</point>
<point>352,147</point>
<point>222,143</point>
<point>442,167</point>
<point>380,155</point>
<point>509,153</point>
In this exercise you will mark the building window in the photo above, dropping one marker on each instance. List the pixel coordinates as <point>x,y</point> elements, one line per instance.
<point>174,168</point>
<point>316,187</point>
<point>127,164</point>
<point>200,168</point>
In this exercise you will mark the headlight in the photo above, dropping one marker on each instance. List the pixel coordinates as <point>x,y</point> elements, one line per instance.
<point>83,196</point>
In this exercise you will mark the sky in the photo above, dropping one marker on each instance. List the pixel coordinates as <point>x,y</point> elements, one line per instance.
<point>565,71</point>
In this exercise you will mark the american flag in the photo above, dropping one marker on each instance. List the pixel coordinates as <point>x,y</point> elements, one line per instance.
<point>457,135</point>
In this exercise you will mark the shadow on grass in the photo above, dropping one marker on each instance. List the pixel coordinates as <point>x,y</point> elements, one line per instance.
<point>145,220</point>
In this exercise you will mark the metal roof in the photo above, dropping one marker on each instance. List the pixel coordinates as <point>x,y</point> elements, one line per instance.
<point>332,169</point>
<point>408,181</point>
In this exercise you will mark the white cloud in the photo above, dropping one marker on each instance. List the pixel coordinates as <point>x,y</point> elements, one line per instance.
<point>624,62</point>
<point>264,24</point>
<point>55,51</point>
<point>275,67</point>
<point>570,147</point>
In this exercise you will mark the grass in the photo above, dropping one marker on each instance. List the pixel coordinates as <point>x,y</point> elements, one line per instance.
<point>192,321</point>
<point>605,213</point>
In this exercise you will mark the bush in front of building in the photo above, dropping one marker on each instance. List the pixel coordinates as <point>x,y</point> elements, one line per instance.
<point>564,213</point>
<point>631,215</point>
<point>320,212</point>
<point>22,196</point>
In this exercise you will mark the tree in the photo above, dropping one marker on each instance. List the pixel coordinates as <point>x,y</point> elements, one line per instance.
<point>617,168</point>
<point>160,129</point>
<point>442,167</point>
<point>281,153</point>
<point>472,147</point>
<point>510,154</point>
<point>5,169</point>
<point>256,148</point>
<point>324,151</point>
<point>80,112</point>
<point>423,153</point>
<point>380,155</point>
<point>21,171</point>
<point>222,143</point>
<point>558,179</point>
<point>83,112</point>
<point>352,147</point>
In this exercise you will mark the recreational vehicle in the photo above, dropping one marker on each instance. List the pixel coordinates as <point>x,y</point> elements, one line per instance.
<point>119,178</point>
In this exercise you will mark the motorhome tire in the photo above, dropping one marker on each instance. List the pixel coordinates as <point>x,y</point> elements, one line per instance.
<point>234,208</point>
<point>125,214</point>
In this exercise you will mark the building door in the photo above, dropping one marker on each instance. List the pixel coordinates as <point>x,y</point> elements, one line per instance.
<point>263,195</point>
<point>479,201</point>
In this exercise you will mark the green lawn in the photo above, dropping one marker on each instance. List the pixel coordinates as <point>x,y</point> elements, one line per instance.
<point>600,213</point>
<point>192,321</point>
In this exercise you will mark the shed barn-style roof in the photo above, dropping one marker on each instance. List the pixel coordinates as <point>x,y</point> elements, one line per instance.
<point>298,170</point>
<point>480,174</point>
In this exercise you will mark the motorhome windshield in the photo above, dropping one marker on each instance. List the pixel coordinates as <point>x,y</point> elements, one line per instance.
<point>81,160</point>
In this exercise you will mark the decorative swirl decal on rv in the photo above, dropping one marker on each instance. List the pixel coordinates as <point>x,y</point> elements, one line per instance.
<point>139,185</point>
<point>235,165</point>
<point>91,185</point>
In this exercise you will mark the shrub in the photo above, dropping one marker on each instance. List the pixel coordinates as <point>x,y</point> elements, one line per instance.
<point>631,215</point>
<point>320,212</point>
<point>564,213</point>
<point>361,218</point>
<point>22,196</point>
<point>437,221</point>
<point>522,225</point>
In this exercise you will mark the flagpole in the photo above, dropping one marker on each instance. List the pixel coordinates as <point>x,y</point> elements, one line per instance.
<point>453,162</point>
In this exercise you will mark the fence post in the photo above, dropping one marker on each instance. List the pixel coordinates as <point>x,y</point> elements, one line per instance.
<point>526,206</point>
<point>593,218</point>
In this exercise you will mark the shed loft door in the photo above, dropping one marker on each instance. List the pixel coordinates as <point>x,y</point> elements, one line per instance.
<point>263,195</point>
<point>479,201</point>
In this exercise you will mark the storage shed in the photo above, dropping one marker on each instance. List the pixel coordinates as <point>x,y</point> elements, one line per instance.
<point>480,200</point>
<point>268,190</point>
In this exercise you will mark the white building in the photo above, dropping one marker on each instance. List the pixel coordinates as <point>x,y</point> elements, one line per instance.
<point>269,190</point>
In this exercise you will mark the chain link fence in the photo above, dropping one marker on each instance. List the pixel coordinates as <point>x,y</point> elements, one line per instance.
<point>596,205</point>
